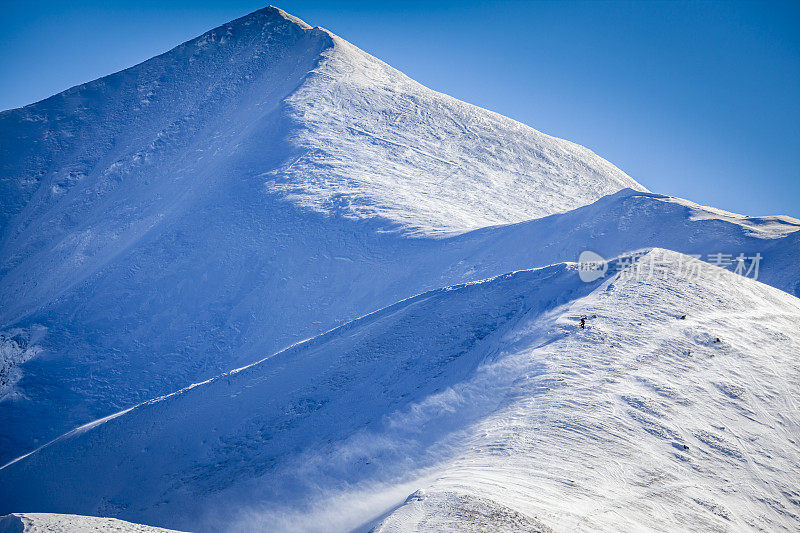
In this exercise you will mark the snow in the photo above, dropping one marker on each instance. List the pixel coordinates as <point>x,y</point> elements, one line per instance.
<point>372,142</point>
<point>63,523</point>
<point>388,272</point>
<point>458,510</point>
<point>492,393</point>
<point>17,345</point>
<point>642,421</point>
<point>766,227</point>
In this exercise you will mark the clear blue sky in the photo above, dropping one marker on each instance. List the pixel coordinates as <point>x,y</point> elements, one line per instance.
<point>698,100</point>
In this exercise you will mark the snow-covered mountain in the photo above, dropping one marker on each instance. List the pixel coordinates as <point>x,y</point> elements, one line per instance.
<point>226,199</point>
<point>268,188</point>
<point>485,401</point>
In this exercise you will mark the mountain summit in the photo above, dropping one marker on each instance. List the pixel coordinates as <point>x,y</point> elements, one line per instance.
<point>370,141</point>
<point>318,121</point>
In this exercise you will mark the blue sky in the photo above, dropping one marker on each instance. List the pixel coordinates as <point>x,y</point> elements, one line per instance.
<point>698,100</point>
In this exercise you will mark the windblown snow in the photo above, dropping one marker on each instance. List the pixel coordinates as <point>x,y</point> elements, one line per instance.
<point>391,274</point>
<point>488,399</point>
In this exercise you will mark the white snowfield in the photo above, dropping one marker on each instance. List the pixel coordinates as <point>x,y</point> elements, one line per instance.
<point>374,142</point>
<point>215,204</point>
<point>489,399</point>
<point>64,523</point>
<point>268,188</point>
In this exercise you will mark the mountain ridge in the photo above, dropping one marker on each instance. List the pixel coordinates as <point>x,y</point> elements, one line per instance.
<point>477,405</point>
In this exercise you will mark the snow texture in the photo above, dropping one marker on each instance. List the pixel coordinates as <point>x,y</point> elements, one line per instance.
<point>373,142</point>
<point>389,271</point>
<point>16,347</point>
<point>492,395</point>
<point>62,523</point>
<point>157,221</point>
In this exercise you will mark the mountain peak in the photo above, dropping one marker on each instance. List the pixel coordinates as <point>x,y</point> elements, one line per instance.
<point>210,208</point>
<point>283,14</point>
<point>268,14</point>
<point>261,27</point>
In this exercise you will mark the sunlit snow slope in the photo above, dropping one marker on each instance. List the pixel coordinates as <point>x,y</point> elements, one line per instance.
<point>62,523</point>
<point>262,184</point>
<point>375,142</point>
<point>486,404</point>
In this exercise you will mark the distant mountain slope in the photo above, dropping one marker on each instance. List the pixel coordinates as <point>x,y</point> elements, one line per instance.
<point>631,220</point>
<point>231,197</point>
<point>94,171</point>
<point>486,396</point>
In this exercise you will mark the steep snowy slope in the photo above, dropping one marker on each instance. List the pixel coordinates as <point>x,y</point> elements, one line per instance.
<point>253,422</point>
<point>232,197</point>
<point>643,421</point>
<point>490,399</point>
<point>151,231</point>
<point>375,142</point>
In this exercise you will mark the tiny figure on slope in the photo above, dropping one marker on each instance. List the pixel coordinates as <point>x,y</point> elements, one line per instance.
<point>583,322</point>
